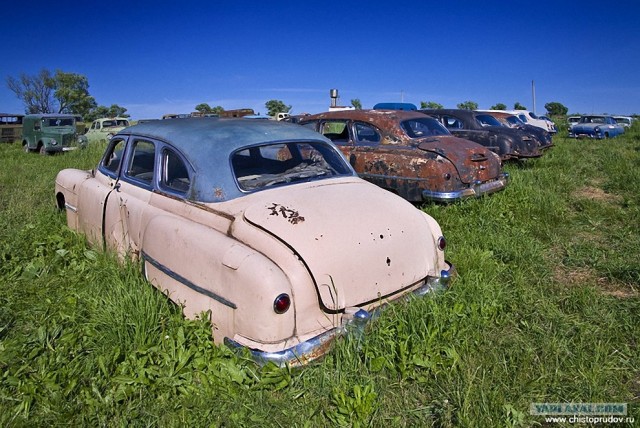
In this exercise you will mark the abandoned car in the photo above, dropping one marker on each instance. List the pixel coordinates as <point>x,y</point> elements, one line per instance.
<point>484,129</point>
<point>596,126</point>
<point>261,224</point>
<point>50,133</point>
<point>531,118</point>
<point>101,130</point>
<point>513,121</point>
<point>411,154</point>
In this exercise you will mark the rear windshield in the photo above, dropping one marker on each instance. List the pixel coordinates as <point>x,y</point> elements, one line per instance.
<point>487,120</point>
<point>281,164</point>
<point>423,127</point>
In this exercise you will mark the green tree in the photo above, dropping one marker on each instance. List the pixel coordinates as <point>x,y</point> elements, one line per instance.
<point>356,104</point>
<point>518,106</point>
<point>276,106</point>
<point>499,106</point>
<point>102,111</point>
<point>49,93</point>
<point>556,109</point>
<point>72,93</point>
<point>468,105</point>
<point>204,108</point>
<point>36,92</point>
<point>430,104</point>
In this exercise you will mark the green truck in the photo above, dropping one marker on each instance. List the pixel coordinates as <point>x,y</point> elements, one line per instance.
<point>51,133</point>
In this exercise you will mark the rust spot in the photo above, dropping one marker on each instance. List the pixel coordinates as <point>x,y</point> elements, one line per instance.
<point>218,193</point>
<point>291,215</point>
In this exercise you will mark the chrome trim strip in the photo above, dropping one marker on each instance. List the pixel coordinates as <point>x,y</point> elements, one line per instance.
<point>70,207</point>
<point>185,281</point>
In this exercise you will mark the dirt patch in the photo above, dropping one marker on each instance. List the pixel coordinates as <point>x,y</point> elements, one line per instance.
<point>596,194</point>
<point>577,276</point>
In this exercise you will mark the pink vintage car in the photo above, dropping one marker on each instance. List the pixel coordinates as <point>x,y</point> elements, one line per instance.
<point>262,225</point>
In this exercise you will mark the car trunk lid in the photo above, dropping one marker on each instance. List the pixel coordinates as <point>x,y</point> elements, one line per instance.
<point>472,161</point>
<point>355,252</point>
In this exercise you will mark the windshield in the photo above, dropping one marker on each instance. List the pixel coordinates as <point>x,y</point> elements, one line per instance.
<point>593,119</point>
<point>280,164</point>
<point>423,127</point>
<point>487,120</point>
<point>113,123</point>
<point>58,121</point>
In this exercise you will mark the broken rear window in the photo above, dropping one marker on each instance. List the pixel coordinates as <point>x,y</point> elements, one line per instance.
<point>285,163</point>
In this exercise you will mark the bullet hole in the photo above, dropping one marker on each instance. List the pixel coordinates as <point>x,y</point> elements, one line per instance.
<point>388,261</point>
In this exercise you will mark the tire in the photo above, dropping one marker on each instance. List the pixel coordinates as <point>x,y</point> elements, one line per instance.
<point>26,148</point>
<point>43,151</point>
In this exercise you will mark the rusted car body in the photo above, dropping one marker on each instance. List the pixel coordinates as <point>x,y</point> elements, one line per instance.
<point>512,121</point>
<point>484,129</point>
<point>260,224</point>
<point>10,127</point>
<point>411,154</point>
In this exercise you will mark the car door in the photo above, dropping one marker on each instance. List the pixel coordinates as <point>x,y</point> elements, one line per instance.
<point>93,193</point>
<point>126,204</point>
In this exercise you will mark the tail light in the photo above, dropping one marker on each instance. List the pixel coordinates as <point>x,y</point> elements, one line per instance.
<point>442,243</point>
<point>282,303</point>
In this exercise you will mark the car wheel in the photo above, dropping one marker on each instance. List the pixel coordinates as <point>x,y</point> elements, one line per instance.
<point>26,148</point>
<point>43,150</point>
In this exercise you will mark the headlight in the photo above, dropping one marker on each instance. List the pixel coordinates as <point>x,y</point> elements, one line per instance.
<point>53,142</point>
<point>596,129</point>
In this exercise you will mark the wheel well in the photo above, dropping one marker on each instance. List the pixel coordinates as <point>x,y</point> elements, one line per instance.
<point>60,202</point>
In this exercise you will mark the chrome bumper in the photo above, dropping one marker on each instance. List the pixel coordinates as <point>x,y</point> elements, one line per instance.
<point>353,320</point>
<point>476,189</point>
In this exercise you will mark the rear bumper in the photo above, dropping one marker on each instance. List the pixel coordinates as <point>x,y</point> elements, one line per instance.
<point>476,190</point>
<point>353,320</point>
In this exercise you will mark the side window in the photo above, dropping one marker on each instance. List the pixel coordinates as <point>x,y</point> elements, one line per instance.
<point>175,175</point>
<point>141,162</point>
<point>451,122</point>
<point>366,134</point>
<point>113,157</point>
<point>336,131</point>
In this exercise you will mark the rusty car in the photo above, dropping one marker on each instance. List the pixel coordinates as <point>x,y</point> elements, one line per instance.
<point>411,154</point>
<point>260,225</point>
<point>484,129</point>
<point>10,127</point>
<point>512,121</point>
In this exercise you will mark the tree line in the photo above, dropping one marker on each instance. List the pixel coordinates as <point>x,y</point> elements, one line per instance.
<point>68,93</point>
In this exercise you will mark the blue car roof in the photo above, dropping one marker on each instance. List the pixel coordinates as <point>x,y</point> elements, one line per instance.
<point>395,106</point>
<point>207,143</point>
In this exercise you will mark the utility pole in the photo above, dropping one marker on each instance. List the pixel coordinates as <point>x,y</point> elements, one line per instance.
<point>533,93</point>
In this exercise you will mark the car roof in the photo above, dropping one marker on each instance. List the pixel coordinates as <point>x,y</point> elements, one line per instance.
<point>207,143</point>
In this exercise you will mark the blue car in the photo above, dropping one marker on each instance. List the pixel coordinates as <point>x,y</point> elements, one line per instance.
<point>596,126</point>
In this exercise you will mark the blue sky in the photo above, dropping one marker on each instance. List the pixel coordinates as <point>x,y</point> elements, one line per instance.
<point>156,57</point>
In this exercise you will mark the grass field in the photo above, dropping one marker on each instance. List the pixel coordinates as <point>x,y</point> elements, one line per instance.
<point>546,308</point>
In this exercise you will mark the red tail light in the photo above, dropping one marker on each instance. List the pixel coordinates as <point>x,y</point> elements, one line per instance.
<point>442,243</point>
<point>282,304</point>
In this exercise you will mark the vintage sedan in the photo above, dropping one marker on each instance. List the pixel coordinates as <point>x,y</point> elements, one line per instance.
<point>411,154</point>
<point>484,129</point>
<point>596,126</point>
<point>101,130</point>
<point>513,121</point>
<point>261,225</point>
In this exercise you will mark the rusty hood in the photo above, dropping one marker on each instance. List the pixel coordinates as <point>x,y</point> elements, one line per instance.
<point>360,243</point>
<point>472,161</point>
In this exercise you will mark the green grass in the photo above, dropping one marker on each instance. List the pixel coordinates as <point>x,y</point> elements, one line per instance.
<point>545,309</point>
